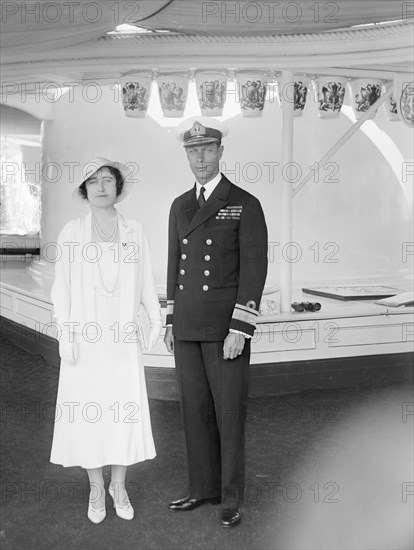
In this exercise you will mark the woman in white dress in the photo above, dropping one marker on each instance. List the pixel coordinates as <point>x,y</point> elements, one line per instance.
<point>103,276</point>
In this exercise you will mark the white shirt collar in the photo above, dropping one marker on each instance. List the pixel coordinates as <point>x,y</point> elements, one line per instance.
<point>209,186</point>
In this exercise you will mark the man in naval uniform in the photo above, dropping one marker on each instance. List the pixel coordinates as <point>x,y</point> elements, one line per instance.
<point>217,265</point>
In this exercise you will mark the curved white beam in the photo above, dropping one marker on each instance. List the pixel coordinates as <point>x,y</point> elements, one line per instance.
<point>348,134</point>
<point>302,53</point>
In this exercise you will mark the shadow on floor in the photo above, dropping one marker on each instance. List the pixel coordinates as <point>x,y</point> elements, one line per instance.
<point>325,469</point>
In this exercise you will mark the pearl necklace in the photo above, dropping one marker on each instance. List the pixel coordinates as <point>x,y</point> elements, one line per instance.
<point>106,238</point>
<point>109,292</point>
<point>103,236</point>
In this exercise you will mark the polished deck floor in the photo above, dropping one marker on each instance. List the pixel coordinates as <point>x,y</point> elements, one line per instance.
<point>325,469</point>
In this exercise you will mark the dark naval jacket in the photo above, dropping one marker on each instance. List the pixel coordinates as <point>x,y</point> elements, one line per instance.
<point>217,263</point>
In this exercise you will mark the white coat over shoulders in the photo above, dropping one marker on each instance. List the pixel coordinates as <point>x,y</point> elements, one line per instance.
<point>72,291</point>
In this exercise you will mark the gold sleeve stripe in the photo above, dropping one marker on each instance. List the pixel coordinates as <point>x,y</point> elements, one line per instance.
<point>248,309</point>
<point>244,316</point>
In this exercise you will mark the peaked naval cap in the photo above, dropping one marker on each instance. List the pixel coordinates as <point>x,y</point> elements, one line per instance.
<point>200,131</point>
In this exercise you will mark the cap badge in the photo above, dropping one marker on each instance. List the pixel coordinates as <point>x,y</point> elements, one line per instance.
<point>197,130</point>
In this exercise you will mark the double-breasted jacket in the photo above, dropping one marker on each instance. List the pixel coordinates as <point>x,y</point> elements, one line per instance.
<point>217,263</point>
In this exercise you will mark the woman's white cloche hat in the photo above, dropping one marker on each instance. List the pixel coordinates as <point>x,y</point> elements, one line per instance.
<point>88,169</point>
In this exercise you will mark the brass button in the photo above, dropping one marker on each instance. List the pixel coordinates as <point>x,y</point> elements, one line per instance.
<point>206,272</point>
<point>181,287</point>
<point>182,271</point>
<point>184,256</point>
<point>209,241</point>
<point>207,258</point>
<point>185,241</point>
<point>205,287</point>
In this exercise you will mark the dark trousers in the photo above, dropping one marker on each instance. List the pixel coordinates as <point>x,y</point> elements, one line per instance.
<point>213,409</point>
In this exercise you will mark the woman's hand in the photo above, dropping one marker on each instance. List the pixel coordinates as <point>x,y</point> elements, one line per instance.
<point>154,335</point>
<point>68,349</point>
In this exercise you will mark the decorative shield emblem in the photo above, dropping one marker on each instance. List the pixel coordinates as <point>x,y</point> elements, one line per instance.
<point>295,92</point>
<point>252,93</point>
<point>211,92</point>
<point>300,94</point>
<point>329,95</point>
<point>407,104</point>
<point>390,108</point>
<point>173,94</point>
<point>135,96</point>
<point>365,92</point>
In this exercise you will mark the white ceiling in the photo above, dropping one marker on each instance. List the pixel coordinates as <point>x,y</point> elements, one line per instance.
<point>283,17</point>
<point>55,40</point>
<point>35,26</point>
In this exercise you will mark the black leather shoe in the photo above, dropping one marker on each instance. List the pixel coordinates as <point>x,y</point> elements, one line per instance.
<point>230,517</point>
<point>186,504</point>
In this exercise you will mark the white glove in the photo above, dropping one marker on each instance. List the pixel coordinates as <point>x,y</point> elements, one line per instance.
<point>154,334</point>
<point>68,349</point>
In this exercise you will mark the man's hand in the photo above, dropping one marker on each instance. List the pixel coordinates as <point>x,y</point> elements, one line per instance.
<point>233,345</point>
<point>169,340</point>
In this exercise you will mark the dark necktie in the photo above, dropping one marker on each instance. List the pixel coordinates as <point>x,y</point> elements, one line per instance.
<point>201,199</point>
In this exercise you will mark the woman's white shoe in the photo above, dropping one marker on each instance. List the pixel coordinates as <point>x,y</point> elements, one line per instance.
<point>96,515</point>
<point>124,512</point>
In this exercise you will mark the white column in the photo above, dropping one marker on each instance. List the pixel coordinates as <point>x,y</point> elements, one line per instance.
<point>63,146</point>
<point>287,188</point>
